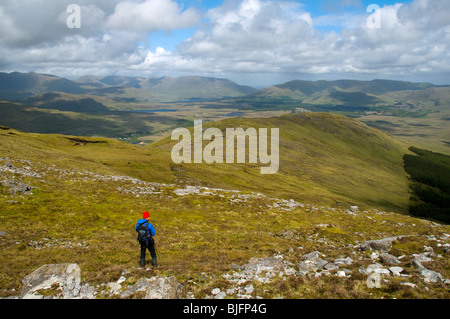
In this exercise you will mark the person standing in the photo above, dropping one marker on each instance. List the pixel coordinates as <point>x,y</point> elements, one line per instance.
<point>146,231</point>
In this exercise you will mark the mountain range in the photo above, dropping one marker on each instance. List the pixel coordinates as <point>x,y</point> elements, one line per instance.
<point>18,86</point>
<point>107,105</point>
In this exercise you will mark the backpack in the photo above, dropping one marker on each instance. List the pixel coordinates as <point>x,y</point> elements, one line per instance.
<point>143,233</point>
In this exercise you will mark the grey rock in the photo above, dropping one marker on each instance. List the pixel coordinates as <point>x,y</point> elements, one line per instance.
<point>311,262</point>
<point>164,288</point>
<point>354,209</point>
<point>311,255</point>
<point>114,288</point>
<point>215,291</point>
<point>66,276</point>
<point>396,270</point>
<point>344,261</point>
<point>384,244</point>
<point>389,259</point>
<point>141,285</point>
<point>16,187</point>
<point>220,295</point>
<point>431,276</point>
<point>331,266</point>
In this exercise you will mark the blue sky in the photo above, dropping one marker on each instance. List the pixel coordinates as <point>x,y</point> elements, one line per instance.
<point>252,42</point>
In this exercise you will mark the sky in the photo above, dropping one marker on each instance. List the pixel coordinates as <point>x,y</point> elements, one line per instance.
<point>252,42</point>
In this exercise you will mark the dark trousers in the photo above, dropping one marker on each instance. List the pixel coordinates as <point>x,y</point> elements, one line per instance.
<point>150,245</point>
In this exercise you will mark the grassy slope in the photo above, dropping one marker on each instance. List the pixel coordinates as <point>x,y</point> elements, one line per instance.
<point>325,159</point>
<point>77,217</point>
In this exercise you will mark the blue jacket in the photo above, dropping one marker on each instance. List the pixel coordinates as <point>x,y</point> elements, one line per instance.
<point>150,227</point>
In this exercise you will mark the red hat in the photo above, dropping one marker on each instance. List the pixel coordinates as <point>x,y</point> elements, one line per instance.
<point>145,215</point>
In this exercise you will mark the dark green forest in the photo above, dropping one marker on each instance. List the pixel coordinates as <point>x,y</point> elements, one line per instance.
<point>430,184</point>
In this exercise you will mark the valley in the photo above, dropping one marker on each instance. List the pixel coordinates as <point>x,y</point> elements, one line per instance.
<point>81,159</point>
<point>114,106</point>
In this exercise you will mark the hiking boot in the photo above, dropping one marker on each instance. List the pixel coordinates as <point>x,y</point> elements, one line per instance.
<point>155,263</point>
<point>142,262</point>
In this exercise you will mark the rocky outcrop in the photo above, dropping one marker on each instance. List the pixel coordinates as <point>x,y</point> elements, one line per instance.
<point>261,269</point>
<point>383,245</point>
<point>164,288</point>
<point>63,279</point>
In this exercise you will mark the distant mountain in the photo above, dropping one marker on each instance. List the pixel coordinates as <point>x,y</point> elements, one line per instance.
<point>18,86</point>
<point>352,96</point>
<point>298,88</point>
<point>167,88</point>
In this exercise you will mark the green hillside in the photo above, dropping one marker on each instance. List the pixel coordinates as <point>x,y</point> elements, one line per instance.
<point>324,158</point>
<point>83,196</point>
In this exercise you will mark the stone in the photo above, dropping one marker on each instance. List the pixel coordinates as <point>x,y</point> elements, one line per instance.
<point>417,264</point>
<point>87,292</point>
<point>396,270</point>
<point>215,291</point>
<point>384,244</point>
<point>389,259</point>
<point>409,284</point>
<point>306,266</point>
<point>164,288</point>
<point>140,285</point>
<point>311,255</point>
<point>220,295</point>
<point>16,187</point>
<point>121,279</point>
<point>354,209</point>
<point>67,277</point>
<point>423,258</point>
<point>331,266</point>
<point>114,288</point>
<point>431,276</point>
<point>249,289</point>
<point>344,261</point>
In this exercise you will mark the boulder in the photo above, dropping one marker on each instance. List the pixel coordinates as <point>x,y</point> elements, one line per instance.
<point>384,244</point>
<point>164,288</point>
<point>396,271</point>
<point>140,285</point>
<point>431,276</point>
<point>389,259</point>
<point>16,187</point>
<point>156,288</point>
<point>63,278</point>
<point>311,262</point>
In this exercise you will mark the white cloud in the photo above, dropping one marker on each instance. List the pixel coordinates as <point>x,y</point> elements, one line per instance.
<point>151,15</point>
<point>270,39</point>
<point>239,39</point>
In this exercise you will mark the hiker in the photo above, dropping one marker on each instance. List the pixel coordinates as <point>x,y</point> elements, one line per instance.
<point>146,231</point>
